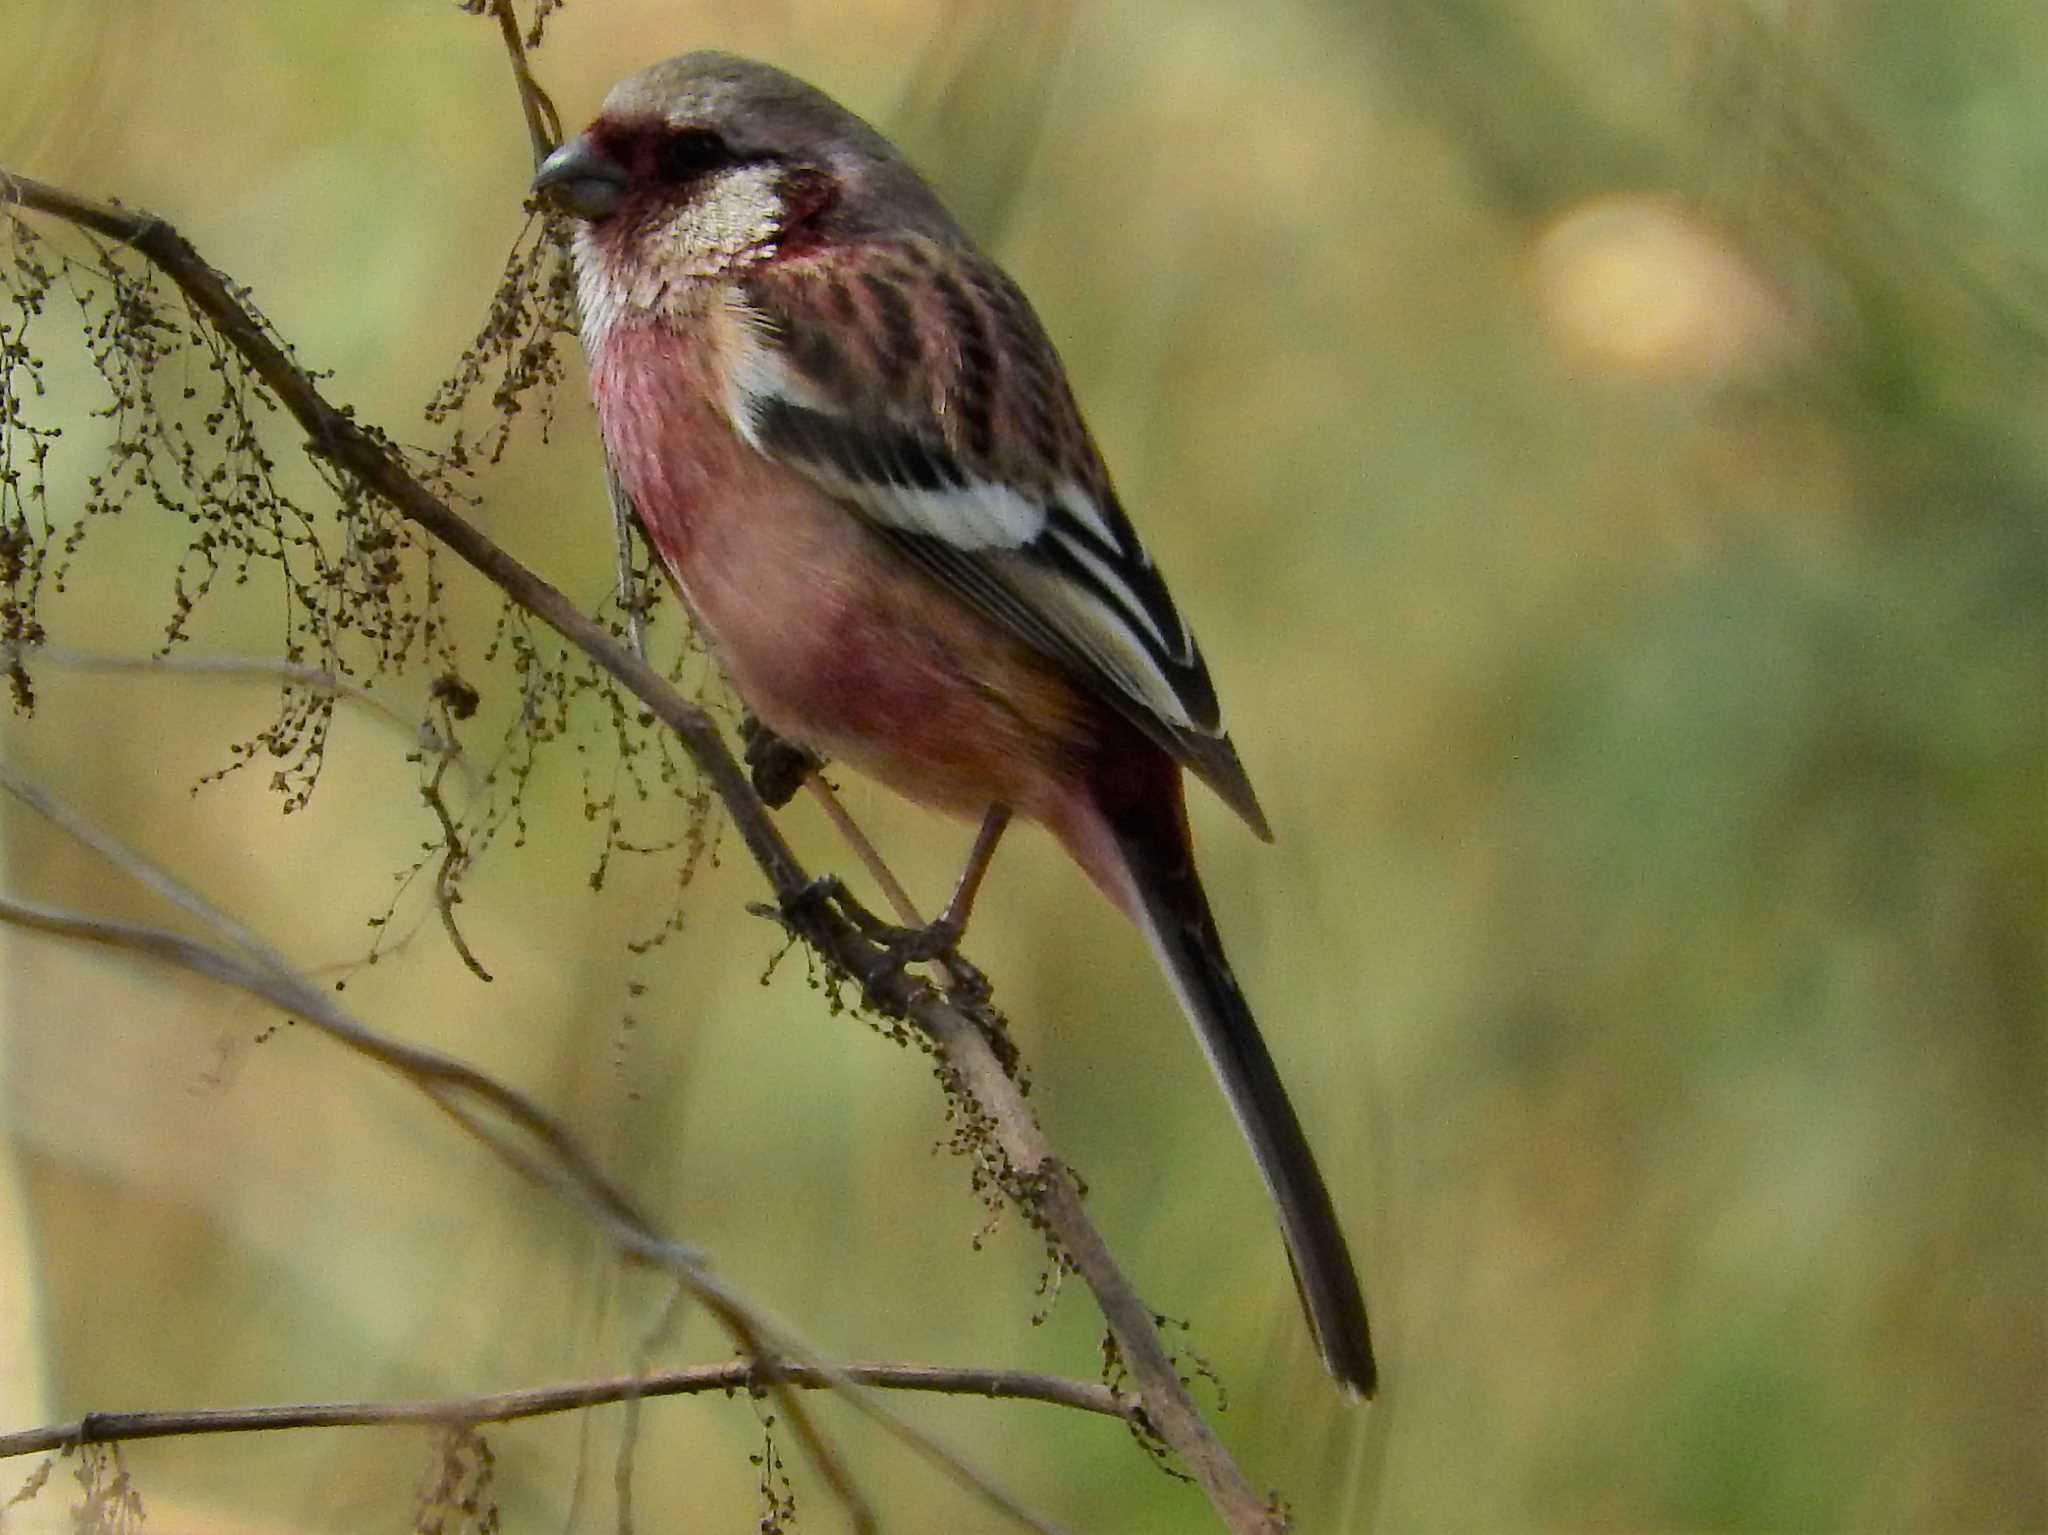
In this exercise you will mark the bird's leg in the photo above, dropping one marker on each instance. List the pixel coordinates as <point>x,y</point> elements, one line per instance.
<point>895,946</point>
<point>779,767</point>
<point>951,924</point>
<point>940,939</point>
<point>965,979</point>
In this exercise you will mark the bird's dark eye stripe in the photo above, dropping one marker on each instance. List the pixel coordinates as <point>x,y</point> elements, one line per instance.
<point>685,153</point>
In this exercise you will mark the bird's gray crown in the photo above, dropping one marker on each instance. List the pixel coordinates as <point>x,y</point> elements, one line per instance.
<point>759,110</point>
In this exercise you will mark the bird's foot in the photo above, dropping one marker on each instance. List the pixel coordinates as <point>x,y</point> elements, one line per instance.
<point>935,941</point>
<point>896,947</point>
<point>902,946</point>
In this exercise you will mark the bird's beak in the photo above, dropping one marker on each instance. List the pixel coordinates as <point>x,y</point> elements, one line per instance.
<point>582,179</point>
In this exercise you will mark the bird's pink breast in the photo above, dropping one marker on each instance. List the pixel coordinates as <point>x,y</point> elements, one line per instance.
<point>830,637</point>
<point>769,576</point>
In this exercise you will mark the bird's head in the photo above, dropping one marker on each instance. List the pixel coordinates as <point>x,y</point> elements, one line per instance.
<point>706,165</point>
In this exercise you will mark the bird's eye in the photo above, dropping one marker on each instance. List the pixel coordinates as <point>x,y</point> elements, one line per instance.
<point>689,152</point>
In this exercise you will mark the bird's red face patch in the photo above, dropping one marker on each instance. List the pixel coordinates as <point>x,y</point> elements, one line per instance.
<point>671,164</point>
<point>662,156</point>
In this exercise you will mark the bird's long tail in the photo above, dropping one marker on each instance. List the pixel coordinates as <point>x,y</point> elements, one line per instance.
<point>1173,911</point>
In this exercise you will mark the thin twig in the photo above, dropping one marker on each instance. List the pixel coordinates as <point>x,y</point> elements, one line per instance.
<point>629,1431</point>
<point>632,600</point>
<point>422,734</point>
<point>849,831</point>
<point>543,123</point>
<point>448,877</point>
<point>540,1401</point>
<point>318,679</point>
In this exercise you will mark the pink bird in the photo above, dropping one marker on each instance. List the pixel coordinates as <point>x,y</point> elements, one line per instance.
<point>854,448</point>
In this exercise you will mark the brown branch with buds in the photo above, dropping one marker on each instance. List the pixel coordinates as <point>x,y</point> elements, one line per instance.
<point>334,436</point>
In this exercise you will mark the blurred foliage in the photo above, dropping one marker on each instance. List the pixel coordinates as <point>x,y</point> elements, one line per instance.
<point>1599,446</point>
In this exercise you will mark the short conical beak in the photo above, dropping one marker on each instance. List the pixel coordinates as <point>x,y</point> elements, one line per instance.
<point>582,179</point>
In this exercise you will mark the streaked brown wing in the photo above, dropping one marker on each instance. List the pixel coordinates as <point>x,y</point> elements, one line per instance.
<point>918,387</point>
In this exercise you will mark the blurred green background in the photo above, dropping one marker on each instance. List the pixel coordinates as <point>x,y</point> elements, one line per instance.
<point>1600,447</point>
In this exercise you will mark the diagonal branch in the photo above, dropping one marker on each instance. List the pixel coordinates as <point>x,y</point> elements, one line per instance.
<point>337,437</point>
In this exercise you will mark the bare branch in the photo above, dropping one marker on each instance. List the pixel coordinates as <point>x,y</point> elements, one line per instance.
<point>540,1401</point>
<point>543,124</point>
<point>849,830</point>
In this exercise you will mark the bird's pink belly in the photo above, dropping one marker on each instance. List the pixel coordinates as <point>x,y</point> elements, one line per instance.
<point>831,638</point>
<point>836,643</point>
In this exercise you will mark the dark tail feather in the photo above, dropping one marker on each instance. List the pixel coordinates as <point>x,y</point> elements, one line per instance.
<point>1174,912</point>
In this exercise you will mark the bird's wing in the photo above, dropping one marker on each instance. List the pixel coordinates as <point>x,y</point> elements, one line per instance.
<point>914,383</point>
